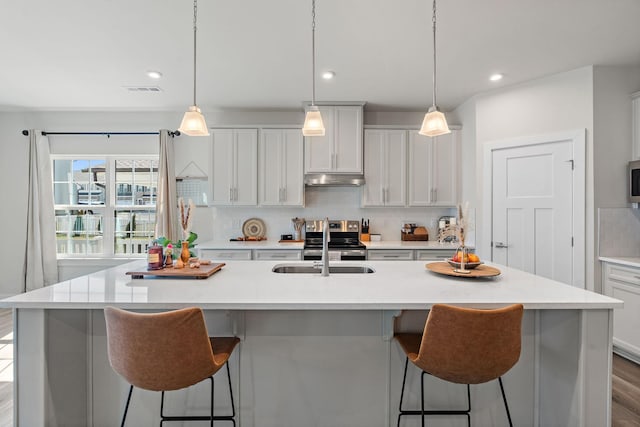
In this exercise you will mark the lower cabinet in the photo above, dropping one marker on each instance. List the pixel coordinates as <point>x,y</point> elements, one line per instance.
<point>623,283</point>
<point>225,254</point>
<point>250,254</point>
<point>434,255</point>
<point>390,254</point>
<point>277,254</point>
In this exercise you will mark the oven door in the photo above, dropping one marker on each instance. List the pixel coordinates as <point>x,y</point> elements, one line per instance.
<point>335,254</point>
<point>353,254</point>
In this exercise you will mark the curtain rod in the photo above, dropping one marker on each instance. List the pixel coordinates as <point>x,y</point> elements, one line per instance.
<point>108,134</point>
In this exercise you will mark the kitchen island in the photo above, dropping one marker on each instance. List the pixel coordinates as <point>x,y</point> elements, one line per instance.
<point>315,350</point>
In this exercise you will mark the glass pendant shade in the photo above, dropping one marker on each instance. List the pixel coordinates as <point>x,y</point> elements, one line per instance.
<point>434,123</point>
<point>193,123</point>
<point>313,125</point>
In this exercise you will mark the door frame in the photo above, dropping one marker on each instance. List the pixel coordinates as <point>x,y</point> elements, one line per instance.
<point>579,146</point>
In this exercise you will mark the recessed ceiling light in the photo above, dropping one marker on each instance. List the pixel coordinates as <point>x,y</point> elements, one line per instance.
<point>496,77</point>
<point>154,74</point>
<point>328,75</point>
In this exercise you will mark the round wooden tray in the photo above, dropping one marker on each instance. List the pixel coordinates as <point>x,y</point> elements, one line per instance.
<point>479,271</point>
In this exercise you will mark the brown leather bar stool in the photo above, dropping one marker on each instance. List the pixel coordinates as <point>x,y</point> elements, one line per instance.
<point>464,346</point>
<point>167,351</point>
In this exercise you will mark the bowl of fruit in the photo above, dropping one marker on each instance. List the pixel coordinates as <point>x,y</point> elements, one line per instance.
<point>471,261</point>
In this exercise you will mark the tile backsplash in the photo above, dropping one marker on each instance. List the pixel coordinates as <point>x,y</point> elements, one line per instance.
<point>223,223</point>
<point>619,232</point>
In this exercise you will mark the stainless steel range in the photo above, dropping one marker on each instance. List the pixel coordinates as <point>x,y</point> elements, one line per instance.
<point>344,240</point>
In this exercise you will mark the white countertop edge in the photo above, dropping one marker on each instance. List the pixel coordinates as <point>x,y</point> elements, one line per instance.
<point>306,306</point>
<point>628,261</point>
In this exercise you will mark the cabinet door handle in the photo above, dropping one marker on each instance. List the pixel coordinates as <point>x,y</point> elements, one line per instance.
<point>500,245</point>
<point>235,190</point>
<point>231,194</point>
<point>284,194</point>
<point>435,194</point>
<point>391,256</point>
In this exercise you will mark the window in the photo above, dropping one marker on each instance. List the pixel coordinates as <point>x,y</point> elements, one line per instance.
<point>105,205</point>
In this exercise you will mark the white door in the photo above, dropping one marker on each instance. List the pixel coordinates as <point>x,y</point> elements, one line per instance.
<point>532,209</point>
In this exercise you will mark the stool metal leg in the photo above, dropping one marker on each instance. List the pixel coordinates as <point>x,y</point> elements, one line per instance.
<point>422,412</point>
<point>211,417</point>
<point>126,407</point>
<point>233,405</point>
<point>504,398</point>
<point>404,379</point>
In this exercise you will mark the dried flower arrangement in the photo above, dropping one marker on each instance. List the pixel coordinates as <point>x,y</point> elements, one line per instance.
<point>185,216</point>
<point>460,228</point>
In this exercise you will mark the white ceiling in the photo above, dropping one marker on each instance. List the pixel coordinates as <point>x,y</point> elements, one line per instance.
<point>255,54</point>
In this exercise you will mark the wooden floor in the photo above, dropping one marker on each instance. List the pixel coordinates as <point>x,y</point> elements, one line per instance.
<point>626,382</point>
<point>626,393</point>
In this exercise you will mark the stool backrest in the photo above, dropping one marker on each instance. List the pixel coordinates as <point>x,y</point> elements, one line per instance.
<point>159,351</point>
<point>470,346</point>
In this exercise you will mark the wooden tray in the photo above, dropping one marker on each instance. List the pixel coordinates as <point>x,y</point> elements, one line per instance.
<point>414,237</point>
<point>479,271</point>
<point>180,273</point>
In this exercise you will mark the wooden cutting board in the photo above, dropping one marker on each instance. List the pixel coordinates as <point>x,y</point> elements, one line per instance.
<point>179,273</point>
<point>479,271</point>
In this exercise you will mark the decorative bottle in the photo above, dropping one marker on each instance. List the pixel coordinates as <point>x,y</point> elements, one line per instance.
<point>185,254</point>
<point>155,260</point>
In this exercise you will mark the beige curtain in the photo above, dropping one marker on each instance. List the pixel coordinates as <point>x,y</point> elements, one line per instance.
<point>41,264</point>
<point>166,208</point>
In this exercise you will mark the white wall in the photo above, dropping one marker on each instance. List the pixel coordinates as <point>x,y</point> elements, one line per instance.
<point>612,132</point>
<point>549,105</point>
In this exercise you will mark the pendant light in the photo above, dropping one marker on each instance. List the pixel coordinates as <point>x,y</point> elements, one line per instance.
<point>434,122</point>
<point>193,123</point>
<point>313,125</point>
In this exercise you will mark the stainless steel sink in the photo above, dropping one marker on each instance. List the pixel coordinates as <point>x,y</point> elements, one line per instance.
<point>311,269</point>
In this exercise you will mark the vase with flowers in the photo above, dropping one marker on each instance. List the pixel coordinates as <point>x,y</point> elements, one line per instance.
<point>183,248</point>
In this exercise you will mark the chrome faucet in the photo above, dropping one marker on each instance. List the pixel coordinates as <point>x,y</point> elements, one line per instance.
<point>325,247</point>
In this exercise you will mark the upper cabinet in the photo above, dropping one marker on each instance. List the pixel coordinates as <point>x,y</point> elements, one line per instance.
<point>234,167</point>
<point>281,175</point>
<point>340,149</point>
<point>385,167</point>
<point>635,108</point>
<point>434,169</point>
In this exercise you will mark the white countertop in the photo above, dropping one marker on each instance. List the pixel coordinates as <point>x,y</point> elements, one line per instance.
<point>628,261</point>
<point>400,244</point>
<point>272,244</point>
<point>262,244</point>
<point>242,285</point>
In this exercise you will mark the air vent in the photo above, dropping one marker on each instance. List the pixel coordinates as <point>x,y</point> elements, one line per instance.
<point>142,89</point>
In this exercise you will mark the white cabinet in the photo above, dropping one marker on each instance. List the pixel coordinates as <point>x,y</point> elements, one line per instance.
<point>277,254</point>
<point>281,160</point>
<point>434,169</point>
<point>433,254</point>
<point>385,167</point>
<point>635,108</point>
<point>623,283</point>
<point>390,254</point>
<point>340,149</point>
<point>225,254</point>
<point>234,167</point>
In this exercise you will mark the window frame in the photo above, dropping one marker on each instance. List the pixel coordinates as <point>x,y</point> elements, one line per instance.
<point>109,209</point>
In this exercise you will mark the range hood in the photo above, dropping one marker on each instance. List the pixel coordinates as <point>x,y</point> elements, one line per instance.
<point>333,179</point>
